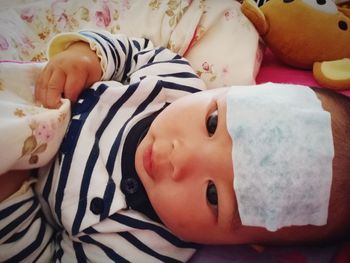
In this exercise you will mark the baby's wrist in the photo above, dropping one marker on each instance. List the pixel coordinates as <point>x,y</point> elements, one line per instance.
<point>84,50</point>
<point>89,58</point>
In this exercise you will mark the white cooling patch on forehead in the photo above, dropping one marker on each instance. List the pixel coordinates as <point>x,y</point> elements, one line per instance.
<point>282,155</point>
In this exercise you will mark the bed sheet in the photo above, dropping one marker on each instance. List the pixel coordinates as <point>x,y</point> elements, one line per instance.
<point>275,71</point>
<point>285,254</point>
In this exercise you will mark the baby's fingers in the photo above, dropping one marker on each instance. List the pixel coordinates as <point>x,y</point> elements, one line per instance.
<point>41,84</point>
<point>55,88</point>
<point>75,83</point>
<point>50,87</point>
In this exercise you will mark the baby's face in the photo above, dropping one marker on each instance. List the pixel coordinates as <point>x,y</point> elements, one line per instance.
<point>185,165</point>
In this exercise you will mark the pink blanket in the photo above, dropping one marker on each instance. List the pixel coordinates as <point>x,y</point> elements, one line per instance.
<point>274,70</point>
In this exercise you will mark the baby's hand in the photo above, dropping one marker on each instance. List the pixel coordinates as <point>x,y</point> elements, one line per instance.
<point>67,74</point>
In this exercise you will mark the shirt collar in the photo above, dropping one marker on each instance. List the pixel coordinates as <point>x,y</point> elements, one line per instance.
<point>131,185</point>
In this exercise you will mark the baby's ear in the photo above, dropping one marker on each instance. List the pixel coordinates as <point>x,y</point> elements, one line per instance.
<point>255,15</point>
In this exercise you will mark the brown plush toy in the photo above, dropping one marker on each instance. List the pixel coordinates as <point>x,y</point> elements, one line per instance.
<point>307,34</point>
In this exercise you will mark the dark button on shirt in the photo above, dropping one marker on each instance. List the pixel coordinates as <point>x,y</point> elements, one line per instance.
<point>97,205</point>
<point>130,185</point>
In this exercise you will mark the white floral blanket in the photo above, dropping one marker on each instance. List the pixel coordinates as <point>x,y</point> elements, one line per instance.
<point>30,133</point>
<point>219,41</point>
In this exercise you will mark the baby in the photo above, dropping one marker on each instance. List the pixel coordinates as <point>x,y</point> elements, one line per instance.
<point>147,150</point>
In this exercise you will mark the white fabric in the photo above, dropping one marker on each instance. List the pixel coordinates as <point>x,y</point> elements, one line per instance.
<point>282,155</point>
<point>30,134</point>
<point>221,44</point>
<point>226,47</point>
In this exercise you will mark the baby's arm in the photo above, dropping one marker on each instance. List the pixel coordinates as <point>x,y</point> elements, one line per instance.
<point>11,181</point>
<point>77,60</point>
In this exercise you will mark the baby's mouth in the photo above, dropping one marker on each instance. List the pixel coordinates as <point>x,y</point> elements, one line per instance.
<point>147,160</point>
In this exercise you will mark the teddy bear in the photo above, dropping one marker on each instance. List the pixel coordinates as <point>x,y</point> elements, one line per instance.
<point>307,34</point>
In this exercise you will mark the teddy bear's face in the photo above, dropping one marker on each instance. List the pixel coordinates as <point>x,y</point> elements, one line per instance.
<point>302,32</point>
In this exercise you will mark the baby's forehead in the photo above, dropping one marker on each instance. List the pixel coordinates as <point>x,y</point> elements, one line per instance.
<point>279,134</point>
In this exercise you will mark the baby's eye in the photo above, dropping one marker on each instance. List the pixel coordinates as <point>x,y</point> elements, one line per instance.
<point>212,195</point>
<point>212,123</point>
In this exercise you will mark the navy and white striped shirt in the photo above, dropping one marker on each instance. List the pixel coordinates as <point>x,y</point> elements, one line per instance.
<point>81,193</point>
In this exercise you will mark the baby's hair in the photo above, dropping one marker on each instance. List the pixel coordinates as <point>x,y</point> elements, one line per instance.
<point>339,107</point>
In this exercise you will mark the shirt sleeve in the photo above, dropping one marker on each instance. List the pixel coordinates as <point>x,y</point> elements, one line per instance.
<point>123,58</point>
<point>25,234</point>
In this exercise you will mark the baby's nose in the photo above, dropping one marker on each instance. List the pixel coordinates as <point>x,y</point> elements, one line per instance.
<point>162,150</point>
<point>183,159</point>
<point>161,158</point>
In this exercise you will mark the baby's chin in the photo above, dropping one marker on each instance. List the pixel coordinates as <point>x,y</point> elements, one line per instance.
<point>139,166</point>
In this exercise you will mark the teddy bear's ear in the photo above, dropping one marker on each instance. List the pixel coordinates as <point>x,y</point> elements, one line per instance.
<point>255,15</point>
<point>333,74</point>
